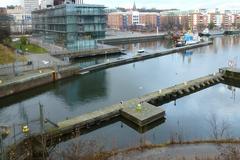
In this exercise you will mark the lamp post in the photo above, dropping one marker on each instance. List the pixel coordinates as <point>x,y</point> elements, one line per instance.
<point>4,131</point>
<point>1,145</point>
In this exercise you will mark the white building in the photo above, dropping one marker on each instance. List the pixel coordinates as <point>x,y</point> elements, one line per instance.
<point>30,5</point>
<point>79,1</point>
<point>219,20</point>
<point>21,23</point>
<point>135,17</point>
<point>46,3</point>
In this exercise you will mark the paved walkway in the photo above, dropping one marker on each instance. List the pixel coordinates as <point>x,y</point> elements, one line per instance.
<point>39,61</point>
<point>120,34</point>
<point>8,79</point>
<point>176,152</point>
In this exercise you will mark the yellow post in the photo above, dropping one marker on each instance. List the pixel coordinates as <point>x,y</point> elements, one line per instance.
<point>25,129</point>
<point>53,75</point>
<point>139,107</point>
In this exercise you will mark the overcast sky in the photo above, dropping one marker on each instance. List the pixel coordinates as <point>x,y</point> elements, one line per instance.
<point>160,4</point>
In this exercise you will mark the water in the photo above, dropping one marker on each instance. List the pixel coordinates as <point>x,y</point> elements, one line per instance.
<point>85,93</point>
<point>130,50</point>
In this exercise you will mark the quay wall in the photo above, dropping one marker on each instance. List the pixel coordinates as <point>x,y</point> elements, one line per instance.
<point>90,53</point>
<point>34,81</point>
<point>124,40</point>
<point>142,57</point>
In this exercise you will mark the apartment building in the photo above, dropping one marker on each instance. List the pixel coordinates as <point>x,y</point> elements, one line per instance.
<point>133,20</point>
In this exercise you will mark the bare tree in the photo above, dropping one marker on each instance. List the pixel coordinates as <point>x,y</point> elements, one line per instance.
<point>229,152</point>
<point>218,130</point>
<point>178,135</point>
<point>87,150</point>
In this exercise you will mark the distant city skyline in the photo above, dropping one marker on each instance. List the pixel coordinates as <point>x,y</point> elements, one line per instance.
<point>159,4</point>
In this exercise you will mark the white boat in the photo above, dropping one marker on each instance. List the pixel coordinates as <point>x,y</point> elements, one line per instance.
<point>192,42</point>
<point>191,39</point>
<point>207,32</point>
<point>123,49</point>
<point>141,51</point>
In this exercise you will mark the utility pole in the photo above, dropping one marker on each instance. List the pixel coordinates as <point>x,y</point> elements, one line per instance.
<point>42,130</point>
<point>41,118</point>
<point>1,145</point>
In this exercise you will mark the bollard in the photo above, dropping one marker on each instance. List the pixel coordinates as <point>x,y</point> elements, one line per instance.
<point>53,75</point>
<point>139,108</point>
<point>25,129</point>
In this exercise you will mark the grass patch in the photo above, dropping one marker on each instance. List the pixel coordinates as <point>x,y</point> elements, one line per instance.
<point>7,55</point>
<point>32,48</point>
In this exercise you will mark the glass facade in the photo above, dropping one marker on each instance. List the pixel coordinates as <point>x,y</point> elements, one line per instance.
<point>75,27</point>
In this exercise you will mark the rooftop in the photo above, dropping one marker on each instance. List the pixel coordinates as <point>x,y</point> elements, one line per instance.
<point>71,5</point>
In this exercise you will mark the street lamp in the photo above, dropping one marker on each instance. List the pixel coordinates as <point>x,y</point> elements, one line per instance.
<point>4,132</point>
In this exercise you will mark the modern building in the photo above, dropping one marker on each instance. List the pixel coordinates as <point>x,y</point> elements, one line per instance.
<point>72,26</point>
<point>21,22</point>
<point>4,23</point>
<point>58,2</point>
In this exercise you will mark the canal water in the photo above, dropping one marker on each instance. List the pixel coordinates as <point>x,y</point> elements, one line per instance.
<point>129,50</point>
<point>190,117</point>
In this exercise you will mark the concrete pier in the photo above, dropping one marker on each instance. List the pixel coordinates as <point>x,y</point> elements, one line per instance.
<point>144,115</point>
<point>90,53</point>
<point>131,39</point>
<point>231,75</point>
<point>142,57</point>
<point>141,112</point>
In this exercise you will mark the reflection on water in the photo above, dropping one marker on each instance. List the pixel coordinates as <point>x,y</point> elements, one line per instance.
<point>187,55</point>
<point>188,118</point>
<point>85,93</point>
<point>147,46</point>
<point>91,86</point>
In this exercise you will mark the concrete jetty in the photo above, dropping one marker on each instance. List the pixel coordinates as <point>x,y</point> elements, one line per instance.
<point>109,50</point>
<point>141,112</point>
<point>231,75</point>
<point>131,39</point>
<point>141,57</point>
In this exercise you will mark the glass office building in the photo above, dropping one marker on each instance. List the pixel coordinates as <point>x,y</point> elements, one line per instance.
<point>75,27</point>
